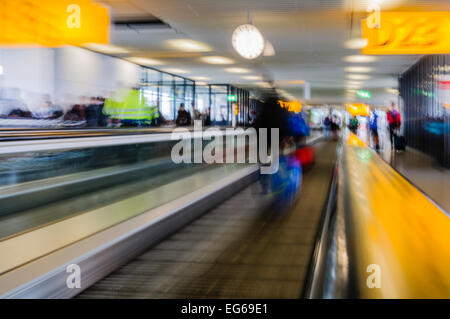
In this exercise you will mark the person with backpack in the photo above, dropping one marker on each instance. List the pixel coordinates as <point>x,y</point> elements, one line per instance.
<point>394,121</point>
<point>373,125</point>
<point>184,117</point>
<point>353,125</point>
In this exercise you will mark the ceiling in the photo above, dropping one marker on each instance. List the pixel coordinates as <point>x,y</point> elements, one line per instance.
<point>308,37</point>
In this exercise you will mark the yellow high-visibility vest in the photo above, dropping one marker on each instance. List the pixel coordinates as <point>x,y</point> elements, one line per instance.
<point>129,104</point>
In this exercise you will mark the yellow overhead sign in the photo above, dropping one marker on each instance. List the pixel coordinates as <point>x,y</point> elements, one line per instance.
<point>360,109</point>
<point>294,106</point>
<point>53,23</point>
<point>407,33</point>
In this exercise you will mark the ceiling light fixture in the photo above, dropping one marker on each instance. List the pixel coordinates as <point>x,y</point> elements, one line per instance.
<point>291,82</point>
<point>176,71</point>
<point>106,49</point>
<point>392,91</point>
<point>188,45</point>
<point>145,61</point>
<point>354,83</point>
<point>358,69</point>
<point>263,84</point>
<point>360,58</point>
<point>269,49</point>
<point>238,70</point>
<point>217,60</point>
<point>251,77</point>
<point>358,76</point>
<point>201,78</point>
<point>356,43</point>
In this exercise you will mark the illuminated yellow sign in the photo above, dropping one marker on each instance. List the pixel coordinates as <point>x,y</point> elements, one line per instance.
<point>360,109</point>
<point>294,106</point>
<point>53,23</point>
<point>236,109</point>
<point>408,33</point>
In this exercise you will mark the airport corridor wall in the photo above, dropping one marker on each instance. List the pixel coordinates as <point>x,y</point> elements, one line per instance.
<point>425,90</point>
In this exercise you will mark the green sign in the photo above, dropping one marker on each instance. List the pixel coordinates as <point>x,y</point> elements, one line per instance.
<point>232,98</point>
<point>364,94</point>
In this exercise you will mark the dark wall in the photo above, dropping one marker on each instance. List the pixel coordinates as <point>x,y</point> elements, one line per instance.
<point>425,93</point>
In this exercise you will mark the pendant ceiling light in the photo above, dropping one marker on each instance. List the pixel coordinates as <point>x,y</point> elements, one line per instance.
<point>248,41</point>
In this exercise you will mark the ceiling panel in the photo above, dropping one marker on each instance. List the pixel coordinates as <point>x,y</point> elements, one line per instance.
<point>308,37</point>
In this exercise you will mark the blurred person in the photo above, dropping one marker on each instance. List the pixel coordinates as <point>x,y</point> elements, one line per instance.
<point>286,182</point>
<point>156,116</point>
<point>297,127</point>
<point>327,125</point>
<point>112,108</point>
<point>334,126</point>
<point>269,114</point>
<point>129,108</point>
<point>12,104</point>
<point>135,110</point>
<point>102,118</point>
<point>252,117</point>
<point>223,116</point>
<point>54,110</point>
<point>394,121</point>
<point>76,113</point>
<point>183,117</point>
<point>373,127</point>
<point>47,110</point>
<point>208,117</point>
<point>354,125</point>
<point>197,114</point>
<point>93,112</point>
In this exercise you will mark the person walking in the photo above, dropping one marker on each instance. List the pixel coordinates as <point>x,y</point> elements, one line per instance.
<point>184,117</point>
<point>394,121</point>
<point>373,126</point>
<point>353,125</point>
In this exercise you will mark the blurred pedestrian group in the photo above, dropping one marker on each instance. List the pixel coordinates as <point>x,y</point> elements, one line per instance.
<point>124,107</point>
<point>332,126</point>
<point>377,121</point>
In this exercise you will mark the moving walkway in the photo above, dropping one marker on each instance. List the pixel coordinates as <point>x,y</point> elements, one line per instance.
<point>139,226</point>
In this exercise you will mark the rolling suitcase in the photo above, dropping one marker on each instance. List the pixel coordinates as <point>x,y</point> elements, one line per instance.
<point>307,156</point>
<point>399,143</point>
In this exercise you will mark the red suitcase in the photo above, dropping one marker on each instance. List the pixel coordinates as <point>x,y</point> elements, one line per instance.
<point>306,155</point>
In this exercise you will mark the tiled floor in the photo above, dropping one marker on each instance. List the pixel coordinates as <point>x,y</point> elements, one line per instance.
<point>241,249</point>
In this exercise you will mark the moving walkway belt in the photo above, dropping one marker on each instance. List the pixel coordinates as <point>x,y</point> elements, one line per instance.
<point>243,248</point>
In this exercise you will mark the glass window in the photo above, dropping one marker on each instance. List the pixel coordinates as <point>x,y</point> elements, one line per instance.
<point>219,104</point>
<point>167,97</point>
<point>189,95</point>
<point>180,94</point>
<point>151,86</point>
<point>202,97</point>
